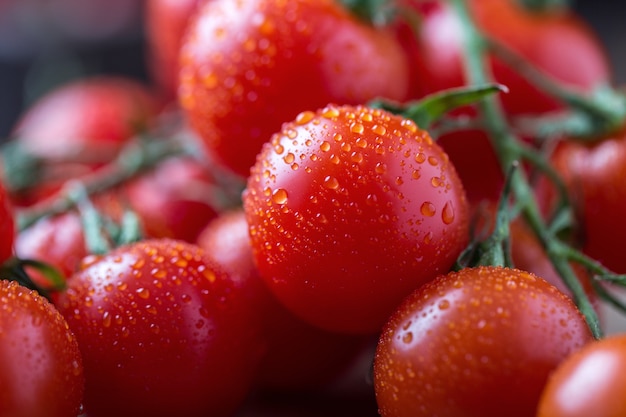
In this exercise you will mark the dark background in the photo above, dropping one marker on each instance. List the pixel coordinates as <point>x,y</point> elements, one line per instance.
<point>45,42</point>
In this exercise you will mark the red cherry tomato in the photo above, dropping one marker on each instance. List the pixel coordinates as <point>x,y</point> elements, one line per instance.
<point>41,370</point>
<point>478,342</point>
<point>558,43</point>
<point>79,126</point>
<point>163,331</point>
<point>349,210</point>
<point>588,382</point>
<point>299,356</point>
<point>247,67</point>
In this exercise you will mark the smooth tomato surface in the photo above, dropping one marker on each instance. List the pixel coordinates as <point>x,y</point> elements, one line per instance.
<point>163,331</point>
<point>249,66</point>
<point>478,342</point>
<point>349,210</point>
<point>589,382</point>
<point>41,369</point>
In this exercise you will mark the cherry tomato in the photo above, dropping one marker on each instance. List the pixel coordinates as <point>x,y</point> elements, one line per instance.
<point>166,22</point>
<point>588,382</point>
<point>41,369</point>
<point>79,126</point>
<point>247,67</point>
<point>559,44</point>
<point>349,210</point>
<point>299,356</point>
<point>478,342</point>
<point>594,174</point>
<point>163,331</point>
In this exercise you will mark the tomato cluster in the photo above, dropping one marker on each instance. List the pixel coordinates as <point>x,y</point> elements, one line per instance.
<point>278,225</point>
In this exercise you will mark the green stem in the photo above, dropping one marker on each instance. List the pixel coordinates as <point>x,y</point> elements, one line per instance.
<point>505,145</point>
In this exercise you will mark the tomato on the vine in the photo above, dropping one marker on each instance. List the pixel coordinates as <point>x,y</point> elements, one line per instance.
<point>247,67</point>
<point>589,382</point>
<point>41,369</point>
<point>78,127</point>
<point>478,342</point>
<point>163,331</point>
<point>351,208</point>
<point>558,43</point>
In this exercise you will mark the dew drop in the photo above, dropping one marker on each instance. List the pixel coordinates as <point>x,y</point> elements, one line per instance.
<point>279,196</point>
<point>330,112</point>
<point>428,209</point>
<point>357,128</point>
<point>447,215</point>
<point>143,293</point>
<point>304,117</point>
<point>331,183</point>
<point>407,337</point>
<point>325,146</point>
<point>443,305</point>
<point>378,129</point>
<point>106,319</point>
<point>420,158</point>
<point>289,158</point>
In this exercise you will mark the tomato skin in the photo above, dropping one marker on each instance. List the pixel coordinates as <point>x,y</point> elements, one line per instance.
<point>163,331</point>
<point>41,370</point>
<point>478,342</point>
<point>166,22</point>
<point>242,77</point>
<point>589,382</point>
<point>351,208</point>
<point>299,356</point>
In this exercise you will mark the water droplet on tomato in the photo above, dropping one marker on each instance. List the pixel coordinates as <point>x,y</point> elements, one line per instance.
<point>428,209</point>
<point>106,319</point>
<point>357,128</point>
<point>447,214</point>
<point>325,146</point>
<point>331,183</point>
<point>443,305</point>
<point>143,293</point>
<point>279,196</point>
<point>289,158</point>
<point>407,337</point>
<point>304,117</point>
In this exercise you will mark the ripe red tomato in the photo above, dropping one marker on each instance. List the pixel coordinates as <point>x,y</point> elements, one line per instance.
<point>299,356</point>
<point>41,370</point>
<point>166,22</point>
<point>478,342</point>
<point>588,382</point>
<point>163,331</point>
<point>558,43</point>
<point>79,126</point>
<point>349,210</point>
<point>594,175</point>
<point>247,67</point>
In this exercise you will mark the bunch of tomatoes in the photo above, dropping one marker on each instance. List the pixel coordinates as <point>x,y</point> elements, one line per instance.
<point>321,207</point>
